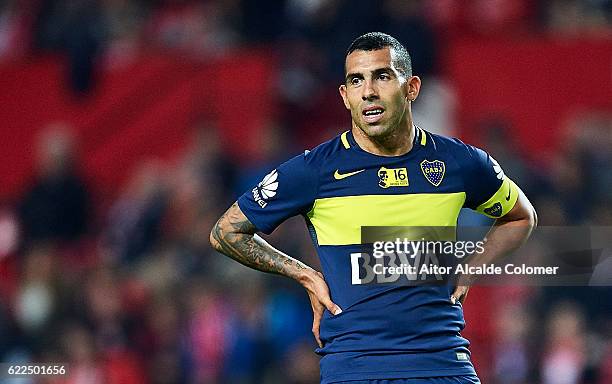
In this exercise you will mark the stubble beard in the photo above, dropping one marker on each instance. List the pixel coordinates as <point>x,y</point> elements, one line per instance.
<point>380,132</point>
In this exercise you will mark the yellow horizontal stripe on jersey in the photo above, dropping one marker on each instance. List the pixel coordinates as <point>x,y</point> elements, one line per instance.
<point>338,220</point>
<point>504,198</point>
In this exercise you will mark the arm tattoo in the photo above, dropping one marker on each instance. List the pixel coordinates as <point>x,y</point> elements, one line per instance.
<point>234,236</point>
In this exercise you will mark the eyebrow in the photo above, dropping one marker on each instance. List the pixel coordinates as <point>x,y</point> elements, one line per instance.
<point>351,75</point>
<point>374,72</point>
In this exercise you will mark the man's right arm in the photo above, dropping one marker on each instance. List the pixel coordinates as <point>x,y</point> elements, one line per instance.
<point>234,236</point>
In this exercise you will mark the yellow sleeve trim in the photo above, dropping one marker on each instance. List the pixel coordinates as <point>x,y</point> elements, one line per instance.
<point>345,140</point>
<point>502,201</point>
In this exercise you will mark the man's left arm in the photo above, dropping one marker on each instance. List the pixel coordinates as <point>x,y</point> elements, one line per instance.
<point>507,234</point>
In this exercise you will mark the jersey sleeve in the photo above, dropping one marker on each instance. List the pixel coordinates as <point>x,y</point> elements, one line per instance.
<point>286,191</point>
<point>488,190</point>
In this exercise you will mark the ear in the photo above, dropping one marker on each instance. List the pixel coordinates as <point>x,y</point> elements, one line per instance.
<point>342,89</point>
<point>413,86</point>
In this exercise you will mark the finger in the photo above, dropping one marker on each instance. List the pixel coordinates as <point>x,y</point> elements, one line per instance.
<point>326,300</point>
<point>458,294</point>
<point>316,322</point>
<point>465,294</point>
<point>317,337</point>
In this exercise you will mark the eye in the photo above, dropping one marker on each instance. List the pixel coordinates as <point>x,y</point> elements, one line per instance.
<point>354,81</point>
<point>384,76</point>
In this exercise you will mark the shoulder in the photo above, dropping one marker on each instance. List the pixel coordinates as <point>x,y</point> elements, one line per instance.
<point>466,155</point>
<point>306,166</point>
<point>449,144</point>
<point>325,151</point>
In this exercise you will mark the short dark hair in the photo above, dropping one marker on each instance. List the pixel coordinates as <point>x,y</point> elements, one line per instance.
<point>373,41</point>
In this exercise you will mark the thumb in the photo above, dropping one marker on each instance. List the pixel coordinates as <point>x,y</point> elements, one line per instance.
<point>459,294</point>
<point>336,310</point>
<point>456,295</point>
<point>332,307</point>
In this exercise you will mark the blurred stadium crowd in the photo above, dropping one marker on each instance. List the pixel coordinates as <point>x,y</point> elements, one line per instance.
<point>129,291</point>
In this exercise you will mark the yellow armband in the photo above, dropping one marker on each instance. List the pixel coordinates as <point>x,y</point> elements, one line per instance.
<point>502,201</point>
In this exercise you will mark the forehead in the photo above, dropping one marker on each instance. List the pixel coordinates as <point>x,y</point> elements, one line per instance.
<point>367,61</point>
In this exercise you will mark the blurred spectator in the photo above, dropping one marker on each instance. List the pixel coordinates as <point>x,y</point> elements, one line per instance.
<point>14,29</point>
<point>575,18</point>
<point>435,106</point>
<point>79,348</point>
<point>565,352</point>
<point>56,207</point>
<point>135,219</point>
<point>166,348</point>
<point>76,28</point>
<point>103,308</point>
<point>511,354</point>
<point>273,148</point>
<point>590,136</point>
<point>342,19</point>
<point>87,364</point>
<point>9,233</point>
<point>205,29</point>
<point>82,39</point>
<point>405,21</point>
<point>36,299</point>
<point>123,21</point>
<point>247,341</point>
<point>208,317</point>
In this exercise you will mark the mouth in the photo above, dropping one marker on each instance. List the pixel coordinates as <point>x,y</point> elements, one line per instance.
<point>373,114</point>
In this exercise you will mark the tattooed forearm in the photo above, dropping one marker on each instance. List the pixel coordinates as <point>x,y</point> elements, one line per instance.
<point>234,235</point>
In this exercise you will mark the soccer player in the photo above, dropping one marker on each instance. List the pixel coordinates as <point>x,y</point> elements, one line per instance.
<point>384,171</point>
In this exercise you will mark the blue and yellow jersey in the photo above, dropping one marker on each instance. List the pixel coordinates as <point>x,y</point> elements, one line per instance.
<point>385,331</point>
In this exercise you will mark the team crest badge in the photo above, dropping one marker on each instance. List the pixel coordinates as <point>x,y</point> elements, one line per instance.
<point>495,210</point>
<point>433,171</point>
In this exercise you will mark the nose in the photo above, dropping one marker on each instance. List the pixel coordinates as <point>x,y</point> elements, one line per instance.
<point>369,91</point>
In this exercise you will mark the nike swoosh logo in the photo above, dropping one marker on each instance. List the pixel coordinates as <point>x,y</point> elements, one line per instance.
<point>509,190</point>
<point>340,176</point>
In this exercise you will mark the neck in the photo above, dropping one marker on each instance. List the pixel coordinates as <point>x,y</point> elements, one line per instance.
<point>396,143</point>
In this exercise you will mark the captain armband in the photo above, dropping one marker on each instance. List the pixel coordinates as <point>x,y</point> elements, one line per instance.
<point>502,201</point>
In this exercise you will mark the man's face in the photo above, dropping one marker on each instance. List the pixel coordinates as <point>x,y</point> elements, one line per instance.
<point>375,91</point>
